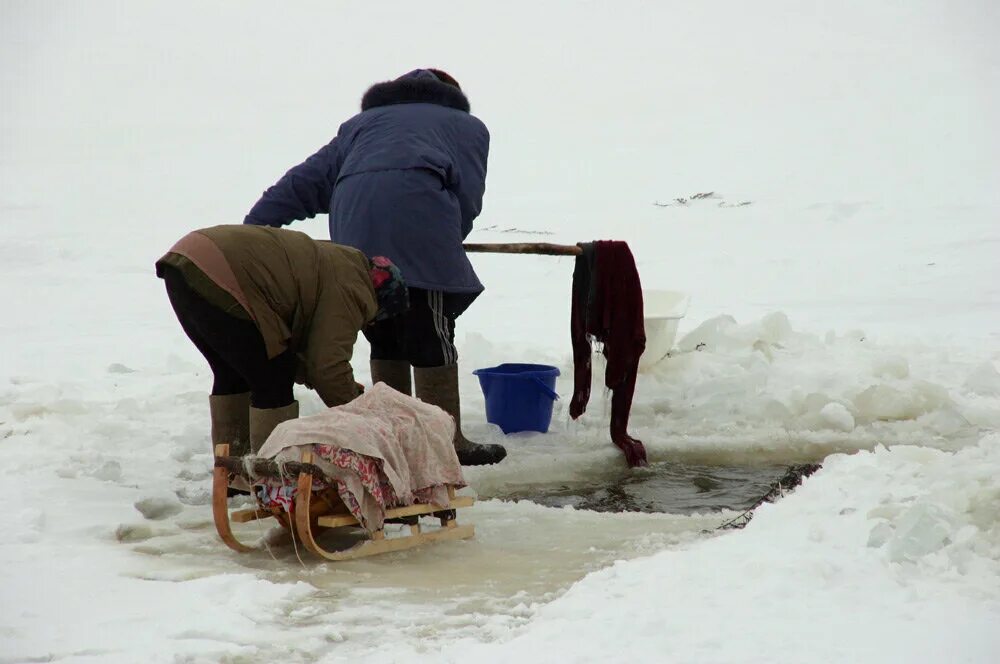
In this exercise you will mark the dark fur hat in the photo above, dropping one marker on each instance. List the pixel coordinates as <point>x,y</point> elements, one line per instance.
<point>419,86</point>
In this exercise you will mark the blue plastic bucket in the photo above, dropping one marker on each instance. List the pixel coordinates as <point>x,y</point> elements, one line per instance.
<point>519,397</point>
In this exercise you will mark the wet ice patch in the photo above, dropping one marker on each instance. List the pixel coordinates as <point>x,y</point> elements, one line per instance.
<point>195,495</point>
<point>128,532</point>
<point>29,524</point>
<point>25,410</point>
<point>108,471</point>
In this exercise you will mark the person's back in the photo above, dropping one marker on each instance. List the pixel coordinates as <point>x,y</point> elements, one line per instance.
<point>405,179</point>
<point>398,193</point>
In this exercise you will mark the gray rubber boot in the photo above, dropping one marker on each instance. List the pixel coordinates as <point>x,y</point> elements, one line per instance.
<point>394,373</point>
<point>439,386</point>
<point>263,421</point>
<point>230,421</point>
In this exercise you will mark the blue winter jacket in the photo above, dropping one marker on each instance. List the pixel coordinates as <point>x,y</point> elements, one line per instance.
<point>403,179</point>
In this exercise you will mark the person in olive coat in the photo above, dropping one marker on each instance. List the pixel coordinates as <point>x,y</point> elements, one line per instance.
<point>268,308</point>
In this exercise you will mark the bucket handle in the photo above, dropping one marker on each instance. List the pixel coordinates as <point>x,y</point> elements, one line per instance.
<point>549,392</point>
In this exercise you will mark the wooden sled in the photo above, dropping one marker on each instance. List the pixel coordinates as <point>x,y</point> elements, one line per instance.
<point>315,514</point>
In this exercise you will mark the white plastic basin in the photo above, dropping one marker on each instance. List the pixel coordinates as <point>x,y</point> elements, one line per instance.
<point>662,311</point>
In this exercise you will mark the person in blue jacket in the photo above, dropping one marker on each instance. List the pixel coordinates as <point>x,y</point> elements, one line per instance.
<point>404,178</point>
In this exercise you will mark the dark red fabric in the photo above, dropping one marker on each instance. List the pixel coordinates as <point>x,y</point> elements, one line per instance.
<point>607,307</point>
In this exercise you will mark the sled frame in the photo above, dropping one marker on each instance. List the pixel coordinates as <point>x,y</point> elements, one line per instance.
<point>312,517</point>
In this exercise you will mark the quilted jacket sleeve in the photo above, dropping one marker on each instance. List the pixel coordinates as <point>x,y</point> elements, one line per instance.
<point>303,192</point>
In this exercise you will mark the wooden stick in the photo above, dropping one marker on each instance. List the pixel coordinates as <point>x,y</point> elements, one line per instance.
<point>268,468</point>
<point>545,248</point>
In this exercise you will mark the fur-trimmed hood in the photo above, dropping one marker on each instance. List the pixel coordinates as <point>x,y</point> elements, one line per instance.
<point>417,87</point>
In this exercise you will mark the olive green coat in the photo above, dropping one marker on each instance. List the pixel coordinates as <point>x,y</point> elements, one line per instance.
<point>308,295</point>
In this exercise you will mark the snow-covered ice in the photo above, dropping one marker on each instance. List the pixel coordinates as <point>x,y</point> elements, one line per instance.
<point>844,309</point>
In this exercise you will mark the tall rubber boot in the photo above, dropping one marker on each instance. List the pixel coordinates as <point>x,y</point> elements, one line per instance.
<point>439,386</point>
<point>231,425</point>
<point>231,421</point>
<point>394,373</point>
<point>264,420</point>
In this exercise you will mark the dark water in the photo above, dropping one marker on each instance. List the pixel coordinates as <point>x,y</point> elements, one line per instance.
<point>671,487</point>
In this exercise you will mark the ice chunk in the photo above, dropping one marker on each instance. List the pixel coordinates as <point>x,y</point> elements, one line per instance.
<point>764,349</point>
<point>775,327</point>
<point>158,507</point>
<point>836,416</point>
<point>25,410</point>
<point>855,335</point>
<point>128,532</point>
<point>891,366</point>
<point>815,402</point>
<point>984,380</point>
<point>776,411</point>
<point>923,529</point>
<point>883,402</point>
<point>708,335</point>
<point>946,421</point>
<point>880,534</point>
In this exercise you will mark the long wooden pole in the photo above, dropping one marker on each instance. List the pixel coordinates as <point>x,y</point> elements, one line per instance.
<point>545,248</point>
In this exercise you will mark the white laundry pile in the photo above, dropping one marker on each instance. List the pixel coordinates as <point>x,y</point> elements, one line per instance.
<point>383,450</point>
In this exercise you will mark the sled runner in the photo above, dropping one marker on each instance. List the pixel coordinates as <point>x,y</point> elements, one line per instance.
<point>317,512</point>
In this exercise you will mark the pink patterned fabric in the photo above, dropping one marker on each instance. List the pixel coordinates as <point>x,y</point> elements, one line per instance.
<point>366,468</point>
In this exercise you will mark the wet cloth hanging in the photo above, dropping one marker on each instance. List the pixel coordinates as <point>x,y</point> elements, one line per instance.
<point>607,308</point>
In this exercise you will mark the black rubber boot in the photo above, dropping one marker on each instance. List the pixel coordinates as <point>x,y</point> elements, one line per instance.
<point>230,421</point>
<point>439,386</point>
<point>263,421</point>
<point>394,373</point>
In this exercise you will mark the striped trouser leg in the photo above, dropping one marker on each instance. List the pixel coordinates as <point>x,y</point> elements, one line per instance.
<point>442,330</point>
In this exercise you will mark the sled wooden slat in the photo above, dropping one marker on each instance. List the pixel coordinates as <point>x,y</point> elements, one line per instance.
<point>245,516</point>
<point>322,511</point>
<point>397,512</point>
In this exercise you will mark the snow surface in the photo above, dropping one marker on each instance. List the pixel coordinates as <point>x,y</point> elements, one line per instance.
<point>849,313</point>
